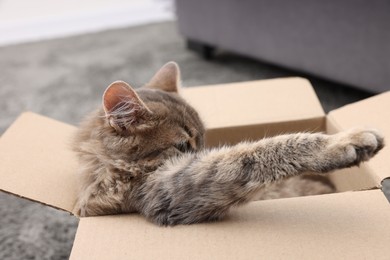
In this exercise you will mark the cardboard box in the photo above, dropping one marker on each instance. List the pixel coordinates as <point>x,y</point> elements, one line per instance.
<point>36,163</point>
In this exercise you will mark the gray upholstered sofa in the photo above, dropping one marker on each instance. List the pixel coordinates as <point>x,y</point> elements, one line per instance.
<point>347,41</point>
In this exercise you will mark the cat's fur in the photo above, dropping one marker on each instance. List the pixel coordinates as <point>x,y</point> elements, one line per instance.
<point>143,152</point>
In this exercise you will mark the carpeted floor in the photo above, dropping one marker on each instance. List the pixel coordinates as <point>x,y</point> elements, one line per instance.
<point>64,79</point>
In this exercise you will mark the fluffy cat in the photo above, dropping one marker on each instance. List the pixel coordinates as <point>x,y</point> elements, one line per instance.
<point>143,151</point>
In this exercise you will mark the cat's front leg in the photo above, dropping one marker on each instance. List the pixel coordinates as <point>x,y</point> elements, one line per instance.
<point>293,154</point>
<point>283,156</point>
<point>204,186</point>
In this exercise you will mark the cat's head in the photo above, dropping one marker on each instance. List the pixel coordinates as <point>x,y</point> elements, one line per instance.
<point>147,125</point>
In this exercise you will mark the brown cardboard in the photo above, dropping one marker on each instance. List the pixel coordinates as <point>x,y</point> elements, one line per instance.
<point>355,178</point>
<point>352,225</point>
<point>36,163</point>
<point>256,108</point>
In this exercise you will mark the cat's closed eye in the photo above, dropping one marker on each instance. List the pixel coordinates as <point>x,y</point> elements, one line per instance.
<point>184,147</point>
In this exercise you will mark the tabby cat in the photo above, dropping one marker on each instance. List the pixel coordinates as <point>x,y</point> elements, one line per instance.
<point>143,151</point>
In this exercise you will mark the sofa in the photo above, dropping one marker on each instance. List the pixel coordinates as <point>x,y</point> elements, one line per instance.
<point>344,41</point>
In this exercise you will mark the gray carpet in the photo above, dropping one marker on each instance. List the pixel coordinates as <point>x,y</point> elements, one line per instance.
<point>64,79</point>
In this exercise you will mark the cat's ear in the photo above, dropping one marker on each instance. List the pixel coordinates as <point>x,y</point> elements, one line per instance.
<point>123,108</point>
<point>167,78</point>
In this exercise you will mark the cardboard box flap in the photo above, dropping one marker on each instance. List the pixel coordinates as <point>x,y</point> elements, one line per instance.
<point>372,112</point>
<point>352,225</point>
<point>36,162</point>
<point>251,110</point>
<point>263,101</point>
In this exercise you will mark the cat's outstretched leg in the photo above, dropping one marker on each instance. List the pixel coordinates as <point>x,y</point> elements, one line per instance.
<point>201,187</point>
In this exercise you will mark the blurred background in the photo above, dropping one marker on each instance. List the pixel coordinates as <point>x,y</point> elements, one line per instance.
<point>57,57</point>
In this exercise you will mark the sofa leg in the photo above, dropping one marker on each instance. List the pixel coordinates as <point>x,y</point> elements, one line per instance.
<point>204,50</point>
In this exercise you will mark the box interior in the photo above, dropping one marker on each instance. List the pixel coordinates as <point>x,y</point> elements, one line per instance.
<point>251,110</point>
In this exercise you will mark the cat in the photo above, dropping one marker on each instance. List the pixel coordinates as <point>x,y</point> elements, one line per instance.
<point>143,151</point>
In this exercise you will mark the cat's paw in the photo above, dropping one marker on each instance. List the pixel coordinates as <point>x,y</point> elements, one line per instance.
<point>362,144</point>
